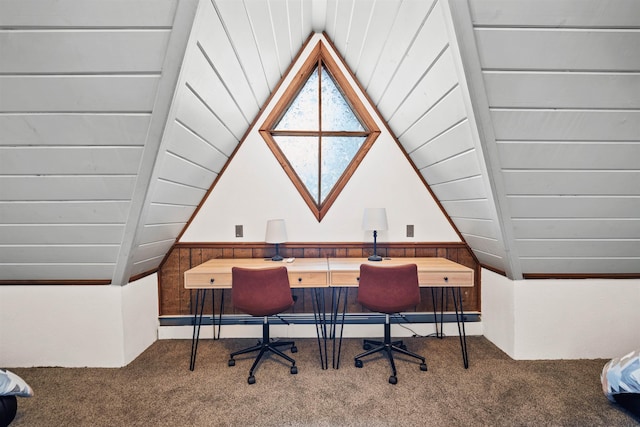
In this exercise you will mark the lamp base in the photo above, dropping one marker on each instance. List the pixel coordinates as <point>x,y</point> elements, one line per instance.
<point>375,258</point>
<point>277,258</point>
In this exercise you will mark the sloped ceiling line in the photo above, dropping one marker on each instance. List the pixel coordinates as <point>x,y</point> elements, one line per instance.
<point>224,84</point>
<point>425,113</point>
<point>233,46</point>
<point>409,82</point>
<point>140,201</point>
<point>406,55</point>
<point>203,101</point>
<point>471,76</point>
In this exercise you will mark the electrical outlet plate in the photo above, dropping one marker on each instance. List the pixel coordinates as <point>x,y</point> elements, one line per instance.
<point>239,231</point>
<point>409,230</point>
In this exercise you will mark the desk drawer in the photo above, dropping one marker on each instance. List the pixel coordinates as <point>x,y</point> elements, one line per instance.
<point>345,278</point>
<point>307,279</point>
<point>223,280</point>
<point>204,280</point>
<point>445,279</point>
<point>426,279</point>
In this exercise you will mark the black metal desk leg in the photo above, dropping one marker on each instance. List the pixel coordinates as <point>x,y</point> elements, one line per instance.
<point>439,332</point>
<point>197,322</point>
<point>461,329</point>
<point>335,302</point>
<point>323,324</point>
<point>319,317</point>
<point>443,305</point>
<point>213,313</point>
<point>334,321</point>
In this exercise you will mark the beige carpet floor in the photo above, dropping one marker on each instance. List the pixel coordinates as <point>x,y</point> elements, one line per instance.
<point>158,389</point>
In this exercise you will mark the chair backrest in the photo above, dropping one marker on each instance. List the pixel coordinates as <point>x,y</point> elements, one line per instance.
<point>389,289</point>
<point>261,292</point>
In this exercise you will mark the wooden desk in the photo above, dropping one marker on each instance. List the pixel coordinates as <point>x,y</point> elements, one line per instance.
<point>432,273</point>
<point>310,273</point>
<point>216,273</point>
<point>322,273</point>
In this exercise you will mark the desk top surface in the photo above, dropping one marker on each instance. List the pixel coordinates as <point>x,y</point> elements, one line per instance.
<point>224,265</point>
<point>424,264</point>
<point>337,271</point>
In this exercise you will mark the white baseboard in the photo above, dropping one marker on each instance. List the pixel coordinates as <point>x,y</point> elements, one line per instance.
<point>309,331</point>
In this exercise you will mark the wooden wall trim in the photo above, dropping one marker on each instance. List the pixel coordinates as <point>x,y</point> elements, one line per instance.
<point>495,270</point>
<point>568,276</point>
<point>330,245</point>
<point>55,282</point>
<point>143,275</point>
<point>176,301</point>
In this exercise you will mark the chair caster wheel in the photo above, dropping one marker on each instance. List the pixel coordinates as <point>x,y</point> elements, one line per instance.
<point>251,380</point>
<point>423,366</point>
<point>294,370</point>
<point>231,362</point>
<point>366,346</point>
<point>359,364</point>
<point>393,379</point>
<point>294,349</point>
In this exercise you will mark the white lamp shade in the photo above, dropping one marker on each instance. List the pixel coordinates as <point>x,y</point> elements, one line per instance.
<point>374,219</point>
<point>276,231</point>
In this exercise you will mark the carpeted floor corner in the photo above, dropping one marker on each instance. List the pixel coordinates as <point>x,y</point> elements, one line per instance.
<point>158,389</point>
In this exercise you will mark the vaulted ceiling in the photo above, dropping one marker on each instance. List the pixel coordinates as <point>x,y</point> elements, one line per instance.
<point>523,117</point>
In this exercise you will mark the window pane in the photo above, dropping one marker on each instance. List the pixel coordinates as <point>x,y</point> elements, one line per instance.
<point>337,153</point>
<point>303,112</point>
<point>336,112</point>
<point>318,163</point>
<point>302,154</point>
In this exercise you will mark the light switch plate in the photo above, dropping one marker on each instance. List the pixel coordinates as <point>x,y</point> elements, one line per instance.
<point>239,231</point>
<point>409,230</point>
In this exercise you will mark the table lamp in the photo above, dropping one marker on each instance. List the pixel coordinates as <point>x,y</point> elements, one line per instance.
<point>276,233</point>
<point>374,219</point>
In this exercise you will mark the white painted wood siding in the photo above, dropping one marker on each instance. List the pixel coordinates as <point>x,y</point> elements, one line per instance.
<point>237,54</point>
<point>78,81</point>
<point>412,77</point>
<point>522,116</point>
<point>406,65</point>
<point>562,80</point>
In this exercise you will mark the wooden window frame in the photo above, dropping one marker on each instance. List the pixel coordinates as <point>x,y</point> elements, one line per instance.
<point>317,58</point>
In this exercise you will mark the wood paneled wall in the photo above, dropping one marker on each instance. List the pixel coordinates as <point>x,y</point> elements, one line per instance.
<point>175,300</point>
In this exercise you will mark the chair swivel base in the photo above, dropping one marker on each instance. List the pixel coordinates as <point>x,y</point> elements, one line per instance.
<point>369,344</point>
<point>388,347</point>
<point>263,347</point>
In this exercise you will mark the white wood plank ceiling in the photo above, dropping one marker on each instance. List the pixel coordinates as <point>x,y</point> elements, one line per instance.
<point>523,117</point>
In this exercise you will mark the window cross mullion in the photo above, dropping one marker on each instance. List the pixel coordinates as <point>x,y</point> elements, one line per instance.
<point>319,193</point>
<point>319,130</point>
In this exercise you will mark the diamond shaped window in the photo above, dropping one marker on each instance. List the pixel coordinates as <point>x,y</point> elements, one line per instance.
<point>319,131</point>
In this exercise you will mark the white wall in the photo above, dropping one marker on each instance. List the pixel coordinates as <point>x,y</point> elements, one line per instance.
<point>498,316</point>
<point>77,326</point>
<point>561,319</point>
<point>255,188</point>
<point>139,316</point>
<point>109,326</point>
<point>398,189</point>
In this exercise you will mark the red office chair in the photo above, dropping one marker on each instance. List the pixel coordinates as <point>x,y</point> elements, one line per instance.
<point>262,292</point>
<point>388,290</point>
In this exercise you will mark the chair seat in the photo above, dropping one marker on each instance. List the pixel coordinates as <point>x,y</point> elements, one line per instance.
<point>388,290</point>
<point>262,293</point>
